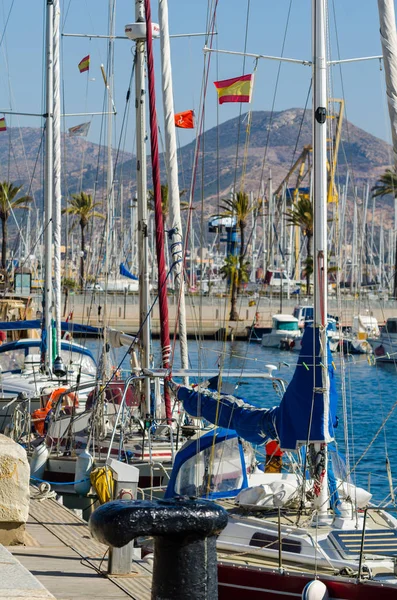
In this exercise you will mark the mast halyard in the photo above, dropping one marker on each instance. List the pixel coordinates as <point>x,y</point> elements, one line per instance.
<point>319,8</point>
<point>48,188</point>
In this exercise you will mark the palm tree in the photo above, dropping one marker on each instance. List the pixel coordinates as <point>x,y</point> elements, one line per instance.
<point>387,184</point>
<point>236,273</point>
<point>165,205</point>
<point>301,215</point>
<point>82,207</point>
<point>8,203</point>
<point>240,207</point>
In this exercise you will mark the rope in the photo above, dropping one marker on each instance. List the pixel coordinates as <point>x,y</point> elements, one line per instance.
<point>59,482</point>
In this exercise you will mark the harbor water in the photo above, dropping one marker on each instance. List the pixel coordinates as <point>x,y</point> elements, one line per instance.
<point>370,395</point>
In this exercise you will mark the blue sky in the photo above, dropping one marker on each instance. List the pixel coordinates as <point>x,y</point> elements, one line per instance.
<point>21,56</point>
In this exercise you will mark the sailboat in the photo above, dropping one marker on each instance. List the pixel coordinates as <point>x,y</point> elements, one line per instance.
<point>314,535</point>
<point>33,368</point>
<point>124,418</point>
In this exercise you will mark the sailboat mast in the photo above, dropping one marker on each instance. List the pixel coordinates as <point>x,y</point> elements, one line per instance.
<point>320,163</point>
<point>48,185</point>
<point>57,176</point>
<point>320,220</point>
<point>143,240</point>
<point>173,185</point>
<point>388,38</point>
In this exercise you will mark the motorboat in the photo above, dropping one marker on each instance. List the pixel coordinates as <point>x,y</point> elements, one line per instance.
<point>284,333</point>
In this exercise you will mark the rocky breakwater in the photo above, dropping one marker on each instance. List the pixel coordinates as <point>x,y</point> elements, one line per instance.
<point>14,492</point>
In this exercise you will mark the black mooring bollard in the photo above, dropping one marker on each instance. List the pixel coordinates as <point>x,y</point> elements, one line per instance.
<point>184,531</point>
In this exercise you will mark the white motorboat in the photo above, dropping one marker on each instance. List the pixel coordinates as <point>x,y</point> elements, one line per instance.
<point>284,334</point>
<point>385,346</point>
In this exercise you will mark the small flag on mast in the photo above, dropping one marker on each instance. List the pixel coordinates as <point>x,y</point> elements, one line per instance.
<point>84,64</point>
<point>3,124</point>
<point>79,130</point>
<point>237,89</point>
<point>185,119</point>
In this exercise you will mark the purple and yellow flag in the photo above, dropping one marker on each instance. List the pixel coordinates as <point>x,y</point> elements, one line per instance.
<point>237,89</point>
<point>84,64</point>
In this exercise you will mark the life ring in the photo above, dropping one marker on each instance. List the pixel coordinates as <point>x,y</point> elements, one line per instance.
<point>70,402</point>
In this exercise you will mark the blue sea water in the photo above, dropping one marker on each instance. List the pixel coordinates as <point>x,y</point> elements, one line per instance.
<point>371,392</point>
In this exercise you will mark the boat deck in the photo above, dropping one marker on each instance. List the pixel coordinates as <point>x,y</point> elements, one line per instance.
<point>72,565</point>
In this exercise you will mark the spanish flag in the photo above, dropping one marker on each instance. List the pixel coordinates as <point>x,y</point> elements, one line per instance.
<point>185,119</point>
<point>238,89</point>
<point>84,64</point>
<point>3,124</point>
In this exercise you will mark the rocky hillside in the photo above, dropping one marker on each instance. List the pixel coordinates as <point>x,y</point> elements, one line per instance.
<point>274,143</point>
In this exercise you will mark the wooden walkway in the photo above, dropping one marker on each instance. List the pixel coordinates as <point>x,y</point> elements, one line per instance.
<point>69,563</point>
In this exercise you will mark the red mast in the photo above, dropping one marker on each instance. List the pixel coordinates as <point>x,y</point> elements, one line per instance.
<point>162,275</point>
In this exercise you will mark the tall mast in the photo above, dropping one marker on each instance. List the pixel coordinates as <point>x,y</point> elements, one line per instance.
<point>57,176</point>
<point>143,240</point>
<point>388,38</point>
<point>176,246</point>
<point>320,212</point>
<point>48,185</point>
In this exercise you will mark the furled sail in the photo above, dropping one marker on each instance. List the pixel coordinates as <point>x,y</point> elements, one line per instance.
<point>306,404</point>
<point>307,412</point>
<point>388,38</point>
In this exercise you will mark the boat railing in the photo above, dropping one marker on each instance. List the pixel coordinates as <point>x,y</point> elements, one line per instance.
<point>360,573</point>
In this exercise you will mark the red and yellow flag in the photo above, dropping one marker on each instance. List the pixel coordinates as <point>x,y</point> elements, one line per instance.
<point>84,64</point>
<point>238,89</point>
<point>185,119</point>
<point>3,124</point>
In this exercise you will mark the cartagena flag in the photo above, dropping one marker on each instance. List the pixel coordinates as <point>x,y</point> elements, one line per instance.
<point>185,119</point>
<point>84,64</point>
<point>238,89</point>
<point>3,124</point>
<point>79,130</point>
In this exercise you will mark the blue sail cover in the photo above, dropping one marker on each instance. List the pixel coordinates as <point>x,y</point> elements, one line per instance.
<point>301,404</point>
<point>256,425</point>
<point>124,271</point>
<point>301,407</point>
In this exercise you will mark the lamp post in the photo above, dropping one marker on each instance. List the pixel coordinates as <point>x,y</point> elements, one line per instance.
<point>282,267</point>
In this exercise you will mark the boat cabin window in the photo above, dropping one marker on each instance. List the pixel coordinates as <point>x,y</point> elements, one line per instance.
<point>286,325</point>
<point>29,358</point>
<point>212,470</point>
<point>267,540</point>
<point>391,326</point>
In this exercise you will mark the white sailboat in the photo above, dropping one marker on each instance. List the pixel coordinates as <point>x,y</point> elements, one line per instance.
<point>316,532</point>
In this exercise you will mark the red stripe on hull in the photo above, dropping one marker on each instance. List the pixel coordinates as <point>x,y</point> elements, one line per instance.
<point>238,583</point>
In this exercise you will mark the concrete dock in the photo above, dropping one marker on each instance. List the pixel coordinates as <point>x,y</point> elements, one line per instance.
<point>207,316</point>
<point>69,563</point>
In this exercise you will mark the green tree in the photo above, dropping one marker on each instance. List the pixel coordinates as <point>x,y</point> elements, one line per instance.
<point>235,269</point>
<point>165,203</point>
<point>236,273</point>
<point>301,215</point>
<point>8,203</point>
<point>387,184</point>
<point>240,207</point>
<point>82,208</point>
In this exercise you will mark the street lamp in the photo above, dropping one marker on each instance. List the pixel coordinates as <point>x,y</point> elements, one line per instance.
<point>282,267</point>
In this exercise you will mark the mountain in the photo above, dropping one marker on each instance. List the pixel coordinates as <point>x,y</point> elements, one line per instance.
<point>275,141</point>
